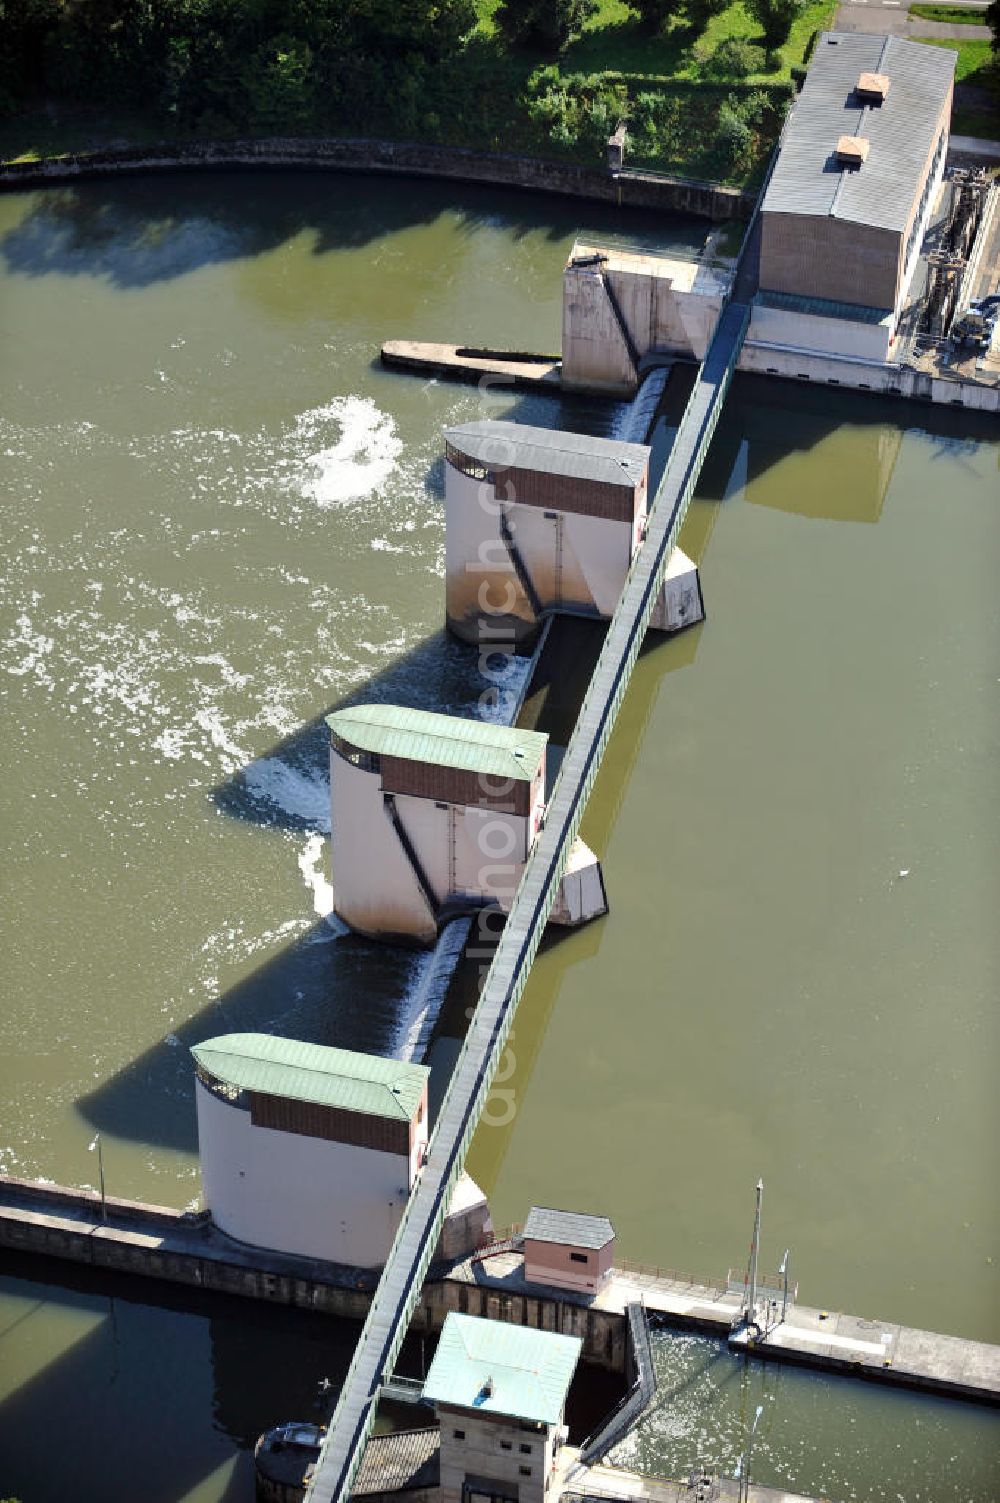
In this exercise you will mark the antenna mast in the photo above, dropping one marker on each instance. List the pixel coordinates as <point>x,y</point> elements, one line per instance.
<point>751,1310</point>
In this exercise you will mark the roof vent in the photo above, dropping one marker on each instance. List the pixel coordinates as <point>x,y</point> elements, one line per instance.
<point>852,150</point>
<point>872,88</point>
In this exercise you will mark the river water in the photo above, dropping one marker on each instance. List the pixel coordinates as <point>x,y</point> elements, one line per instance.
<point>221,518</point>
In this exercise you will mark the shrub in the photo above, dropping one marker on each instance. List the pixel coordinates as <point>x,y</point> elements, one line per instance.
<point>279,85</point>
<point>775,18</point>
<point>545,25</point>
<point>734,57</point>
<point>734,134</point>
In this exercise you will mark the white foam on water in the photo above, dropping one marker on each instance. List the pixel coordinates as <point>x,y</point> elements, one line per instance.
<point>361,459</point>
<point>30,653</point>
<point>171,743</point>
<point>502,690</point>
<point>311,865</point>
<point>211,722</point>
<point>299,794</point>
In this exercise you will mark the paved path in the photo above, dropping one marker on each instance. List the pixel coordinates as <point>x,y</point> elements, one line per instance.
<point>892,17</point>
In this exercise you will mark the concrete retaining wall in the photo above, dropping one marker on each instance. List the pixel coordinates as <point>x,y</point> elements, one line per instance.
<point>403,158</point>
<point>58,1222</point>
<point>862,375</point>
<point>604,1333</point>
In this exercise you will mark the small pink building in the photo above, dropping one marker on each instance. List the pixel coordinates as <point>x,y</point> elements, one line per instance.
<point>567,1250</point>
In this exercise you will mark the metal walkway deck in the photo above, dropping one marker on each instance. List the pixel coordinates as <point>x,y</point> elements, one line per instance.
<point>411,1253</point>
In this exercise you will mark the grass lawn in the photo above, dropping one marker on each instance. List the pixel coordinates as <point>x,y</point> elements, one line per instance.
<point>979,67</point>
<point>977,62</point>
<point>952,15</point>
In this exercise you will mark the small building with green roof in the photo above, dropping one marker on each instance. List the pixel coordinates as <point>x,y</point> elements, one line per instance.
<point>308,1149</point>
<point>500,1392</point>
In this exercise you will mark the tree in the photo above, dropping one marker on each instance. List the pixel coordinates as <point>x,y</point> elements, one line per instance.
<point>654,14</point>
<point>775,18</point>
<point>700,12</point>
<point>433,28</point>
<point>993,22</point>
<point>545,25</point>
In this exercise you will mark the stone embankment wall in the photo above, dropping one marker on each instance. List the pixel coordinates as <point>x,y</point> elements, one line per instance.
<point>182,1248</point>
<point>402,158</point>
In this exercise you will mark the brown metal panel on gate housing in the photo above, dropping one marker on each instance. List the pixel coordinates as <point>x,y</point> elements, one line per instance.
<point>312,1120</point>
<point>456,785</point>
<point>570,493</point>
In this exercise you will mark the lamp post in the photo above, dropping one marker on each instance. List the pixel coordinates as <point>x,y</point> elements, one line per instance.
<point>783,1270</point>
<point>745,1468</point>
<point>100,1173</point>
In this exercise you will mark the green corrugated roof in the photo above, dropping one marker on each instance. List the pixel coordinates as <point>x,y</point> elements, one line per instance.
<point>442,740</point>
<point>527,1371</point>
<point>314,1072</point>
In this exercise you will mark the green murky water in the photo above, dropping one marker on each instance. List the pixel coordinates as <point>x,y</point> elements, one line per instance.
<point>796,816</point>
<point>220,519</point>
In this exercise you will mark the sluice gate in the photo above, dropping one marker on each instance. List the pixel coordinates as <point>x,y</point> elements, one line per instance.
<point>403,1277</point>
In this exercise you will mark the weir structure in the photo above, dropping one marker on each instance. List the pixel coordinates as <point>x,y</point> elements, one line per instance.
<point>399,1289</point>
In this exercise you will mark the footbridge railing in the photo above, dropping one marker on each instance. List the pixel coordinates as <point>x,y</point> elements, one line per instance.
<point>401,1282</point>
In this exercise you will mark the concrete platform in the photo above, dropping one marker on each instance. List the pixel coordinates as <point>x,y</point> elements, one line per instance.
<point>853,1345</point>
<point>453,362</point>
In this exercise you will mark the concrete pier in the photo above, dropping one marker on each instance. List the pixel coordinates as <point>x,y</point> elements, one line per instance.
<point>454,362</point>
<point>183,1248</point>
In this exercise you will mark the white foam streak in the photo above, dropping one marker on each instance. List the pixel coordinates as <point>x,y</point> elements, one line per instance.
<point>632,422</point>
<point>311,859</point>
<point>427,991</point>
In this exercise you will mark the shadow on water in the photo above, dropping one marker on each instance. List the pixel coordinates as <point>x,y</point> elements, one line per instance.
<point>225,1370</point>
<point>172,1420</point>
<point>141,230</point>
<point>439,672</point>
<point>328,986</point>
<point>766,423</point>
<point>312,987</point>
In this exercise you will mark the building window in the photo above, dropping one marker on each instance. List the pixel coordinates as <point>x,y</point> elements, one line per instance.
<point>525,1471</point>
<point>467,466</point>
<point>458,1434</point>
<point>365,760</point>
<point>578,1257</point>
<point>525,1450</point>
<point>505,1445</point>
